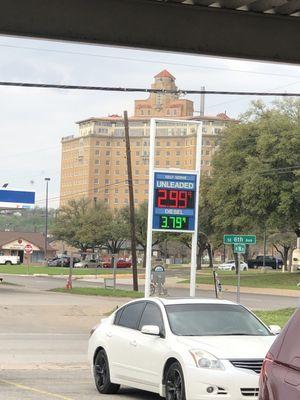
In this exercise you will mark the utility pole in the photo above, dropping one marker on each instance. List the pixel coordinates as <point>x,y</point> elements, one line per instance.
<point>131,204</point>
<point>46,223</point>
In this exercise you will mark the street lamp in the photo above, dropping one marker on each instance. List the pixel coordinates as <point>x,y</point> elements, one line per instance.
<point>46,224</point>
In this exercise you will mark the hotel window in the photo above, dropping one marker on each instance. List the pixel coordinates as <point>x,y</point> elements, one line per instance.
<point>136,181</point>
<point>107,162</point>
<point>96,180</point>
<point>177,162</point>
<point>158,152</point>
<point>137,172</point>
<point>126,190</point>
<point>168,144</point>
<point>106,181</point>
<point>118,144</point>
<point>107,144</point>
<point>106,191</point>
<point>146,181</point>
<point>116,190</point>
<point>97,152</point>
<point>116,180</point>
<point>157,162</point>
<point>107,171</point>
<point>137,153</point>
<point>177,153</point>
<point>97,143</point>
<point>106,200</point>
<point>207,152</point>
<point>158,144</point>
<point>146,191</point>
<point>117,153</point>
<point>168,153</point>
<point>107,153</point>
<point>137,162</point>
<point>117,162</point>
<point>97,161</point>
<point>126,201</point>
<point>117,172</point>
<point>96,190</point>
<point>138,143</point>
<point>167,162</point>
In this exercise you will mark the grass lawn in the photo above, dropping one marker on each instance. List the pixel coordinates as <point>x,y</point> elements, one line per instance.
<point>277,317</point>
<point>22,270</point>
<point>100,292</point>
<point>259,279</point>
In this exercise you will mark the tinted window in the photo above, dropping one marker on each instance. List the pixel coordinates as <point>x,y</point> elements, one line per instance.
<point>151,316</point>
<point>213,320</point>
<point>118,316</point>
<point>131,315</point>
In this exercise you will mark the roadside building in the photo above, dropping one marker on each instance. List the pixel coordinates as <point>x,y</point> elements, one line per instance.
<point>13,244</point>
<point>94,162</point>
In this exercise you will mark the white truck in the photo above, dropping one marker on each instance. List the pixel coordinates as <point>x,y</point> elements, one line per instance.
<point>10,260</point>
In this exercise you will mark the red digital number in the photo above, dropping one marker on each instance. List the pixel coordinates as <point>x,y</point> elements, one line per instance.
<point>173,198</point>
<point>183,199</point>
<point>161,198</point>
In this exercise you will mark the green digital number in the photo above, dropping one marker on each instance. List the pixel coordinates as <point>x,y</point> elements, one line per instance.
<point>164,222</point>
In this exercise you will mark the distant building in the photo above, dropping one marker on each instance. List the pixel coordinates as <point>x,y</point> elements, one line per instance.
<point>13,243</point>
<point>94,163</point>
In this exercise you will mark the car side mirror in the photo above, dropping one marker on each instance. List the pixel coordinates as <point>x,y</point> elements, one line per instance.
<point>151,330</point>
<point>275,329</point>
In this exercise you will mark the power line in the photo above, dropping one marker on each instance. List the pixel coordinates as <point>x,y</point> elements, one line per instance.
<point>206,67</point>
<point>144,90</point>
<point>84,191</point>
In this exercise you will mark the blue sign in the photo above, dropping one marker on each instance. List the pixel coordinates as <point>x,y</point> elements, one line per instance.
<point>16,199</point>
<point>174,201</point>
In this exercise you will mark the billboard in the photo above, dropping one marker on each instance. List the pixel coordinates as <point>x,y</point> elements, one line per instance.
<point>16,199</point>
<point>174,201</point>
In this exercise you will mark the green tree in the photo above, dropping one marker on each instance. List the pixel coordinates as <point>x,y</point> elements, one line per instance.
<point>117,231</point>
<point>284,243</point>
<point>81,225</point>
<point>141,222</point>
<point>255,181</point>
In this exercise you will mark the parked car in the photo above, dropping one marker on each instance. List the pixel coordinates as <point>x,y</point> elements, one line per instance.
<point>88,264</point>
<point>182,349</point>
<point>63,261</point>
<point>120,264</point>
<point>10,260</point>
<point>270,261</point>
<point>230,266</point>
<point>280,375</point>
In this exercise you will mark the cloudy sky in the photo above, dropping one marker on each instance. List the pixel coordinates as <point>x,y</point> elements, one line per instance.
<point>34,120</point>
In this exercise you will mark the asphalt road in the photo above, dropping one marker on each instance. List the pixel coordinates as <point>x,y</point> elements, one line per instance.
<point>253,301</point>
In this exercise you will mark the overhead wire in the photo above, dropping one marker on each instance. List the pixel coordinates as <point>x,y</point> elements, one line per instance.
<point>144,90</point>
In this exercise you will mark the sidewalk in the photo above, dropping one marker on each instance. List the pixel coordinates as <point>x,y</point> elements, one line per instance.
<point>172,282</point>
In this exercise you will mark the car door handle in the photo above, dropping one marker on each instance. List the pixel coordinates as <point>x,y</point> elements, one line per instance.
<point>133,343</point>
<point>109,334</point>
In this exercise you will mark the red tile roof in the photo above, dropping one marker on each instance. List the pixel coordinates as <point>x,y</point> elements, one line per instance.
<point>164,74</point>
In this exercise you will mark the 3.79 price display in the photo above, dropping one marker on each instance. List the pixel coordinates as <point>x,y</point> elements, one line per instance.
<point>173,222</point>
<point>182,199</point>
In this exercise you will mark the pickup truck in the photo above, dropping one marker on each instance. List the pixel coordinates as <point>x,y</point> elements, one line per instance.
<point>10,260</point>
<point>269,262</point>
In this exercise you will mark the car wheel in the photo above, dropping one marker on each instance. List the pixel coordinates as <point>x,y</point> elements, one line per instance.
<point>8,263</point>
<point>102,376</point>
<point>175,389</point>
<point>232,268</point>
<point>255,266</point>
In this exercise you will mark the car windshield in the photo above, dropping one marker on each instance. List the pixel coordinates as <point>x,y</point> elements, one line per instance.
<point>213,320</point>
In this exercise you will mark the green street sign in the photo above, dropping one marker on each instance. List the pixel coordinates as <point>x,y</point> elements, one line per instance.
<point>239,248</point>
<point>239,239</point>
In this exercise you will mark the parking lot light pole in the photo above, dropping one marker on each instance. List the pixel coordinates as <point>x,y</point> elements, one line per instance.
<point>46,222</point>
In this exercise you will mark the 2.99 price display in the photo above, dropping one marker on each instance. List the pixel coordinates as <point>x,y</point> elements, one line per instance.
<point>182,199</point>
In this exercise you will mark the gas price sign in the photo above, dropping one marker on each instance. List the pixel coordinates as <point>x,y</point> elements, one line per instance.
<point>174,201</point>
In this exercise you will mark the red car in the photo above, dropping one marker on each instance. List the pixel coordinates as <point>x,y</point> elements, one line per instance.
<point>120,264</point>
<point>280,374</point>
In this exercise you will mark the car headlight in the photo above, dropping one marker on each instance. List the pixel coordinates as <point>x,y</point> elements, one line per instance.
<point>203,359</point>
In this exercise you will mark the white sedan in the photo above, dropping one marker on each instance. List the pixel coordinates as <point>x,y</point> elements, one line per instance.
<point>182,349</point>
<point>230,266</point>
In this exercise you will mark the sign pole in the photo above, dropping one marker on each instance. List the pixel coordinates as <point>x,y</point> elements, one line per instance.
<point>238,291</point>
<point>194,249</point>
<point>150,208</point>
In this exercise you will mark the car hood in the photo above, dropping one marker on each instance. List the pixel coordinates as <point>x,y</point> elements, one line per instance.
<point>229,347</point>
